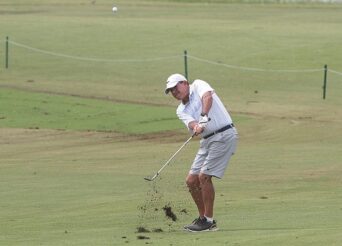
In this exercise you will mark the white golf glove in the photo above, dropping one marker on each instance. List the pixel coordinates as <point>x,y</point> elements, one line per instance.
<point>203,121</point>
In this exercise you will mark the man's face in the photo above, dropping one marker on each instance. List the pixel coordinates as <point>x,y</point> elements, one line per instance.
<point>180,91</point>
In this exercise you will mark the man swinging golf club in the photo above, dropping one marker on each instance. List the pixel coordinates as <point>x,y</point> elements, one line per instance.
<point>204,114</point>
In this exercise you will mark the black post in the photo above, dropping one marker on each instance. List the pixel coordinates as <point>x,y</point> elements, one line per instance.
<point>325,80</point>
<point>7,52</point>
<point>186,64</point>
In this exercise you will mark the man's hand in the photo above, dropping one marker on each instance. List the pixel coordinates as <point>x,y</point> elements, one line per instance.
<point>198,129</point>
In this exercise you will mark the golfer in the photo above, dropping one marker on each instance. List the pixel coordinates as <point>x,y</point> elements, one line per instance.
<point>204,114</point>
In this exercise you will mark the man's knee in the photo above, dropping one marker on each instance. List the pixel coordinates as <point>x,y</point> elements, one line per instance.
<point>192,181</point>
<point>204,178</point>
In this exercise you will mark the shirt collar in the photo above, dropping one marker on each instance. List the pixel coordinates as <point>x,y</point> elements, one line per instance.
<point>191,90</point>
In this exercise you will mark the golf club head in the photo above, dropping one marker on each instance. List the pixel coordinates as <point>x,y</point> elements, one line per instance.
<point>151,179</point>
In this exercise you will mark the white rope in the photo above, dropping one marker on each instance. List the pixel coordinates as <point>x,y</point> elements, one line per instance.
<point>92,59</point>
<point>333,71</point>
<point>167,58</point>
<point>256,69</point>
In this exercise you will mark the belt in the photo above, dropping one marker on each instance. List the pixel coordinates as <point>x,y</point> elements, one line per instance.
<point>219,130</point>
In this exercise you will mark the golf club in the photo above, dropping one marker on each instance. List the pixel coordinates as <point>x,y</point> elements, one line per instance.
<point>161,169</point>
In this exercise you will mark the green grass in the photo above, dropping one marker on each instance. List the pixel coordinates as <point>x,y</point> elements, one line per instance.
<point>278,190</point>
<point>39,110</point>
<point>78,136</point>
<point>261,36</point>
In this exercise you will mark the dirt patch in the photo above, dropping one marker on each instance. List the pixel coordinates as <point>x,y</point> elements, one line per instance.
<point>158,213</point>
<point>168,213</point>
<point>173,136</point>
<point>103,98</point>
<point>157,230</point>
<point>140,237</point>
<point>142,229</point>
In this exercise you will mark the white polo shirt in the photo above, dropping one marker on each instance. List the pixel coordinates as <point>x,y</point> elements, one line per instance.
<point>192,110</point>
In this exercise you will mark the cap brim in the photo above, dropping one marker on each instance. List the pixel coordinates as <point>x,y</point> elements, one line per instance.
<point>169,86</point>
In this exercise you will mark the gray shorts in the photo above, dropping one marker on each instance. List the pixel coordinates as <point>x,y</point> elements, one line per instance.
<point>214,153</point>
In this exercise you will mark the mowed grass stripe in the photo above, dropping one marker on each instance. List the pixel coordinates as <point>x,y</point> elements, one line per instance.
<point>22,109</point>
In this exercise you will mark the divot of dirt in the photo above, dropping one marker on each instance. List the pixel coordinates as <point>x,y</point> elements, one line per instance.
<point>157,230</point>
<point>142,237</point>
<point>168,212</point>
<point>142,229</point>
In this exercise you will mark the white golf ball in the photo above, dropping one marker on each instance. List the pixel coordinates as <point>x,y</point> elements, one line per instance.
<point>114,9</point>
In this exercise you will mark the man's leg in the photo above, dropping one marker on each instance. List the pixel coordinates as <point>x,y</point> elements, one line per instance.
<point>208,194</point>
<point>202,191</point>
<point>194,185</point>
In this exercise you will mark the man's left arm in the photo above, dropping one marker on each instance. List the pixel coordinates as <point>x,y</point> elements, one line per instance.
<point>207,101</point>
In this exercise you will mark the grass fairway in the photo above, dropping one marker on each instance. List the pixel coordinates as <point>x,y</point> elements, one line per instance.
<point>83,119</point>
<point>87,188</point>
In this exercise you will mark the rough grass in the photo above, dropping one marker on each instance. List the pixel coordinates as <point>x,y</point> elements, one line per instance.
<point>40,110</point>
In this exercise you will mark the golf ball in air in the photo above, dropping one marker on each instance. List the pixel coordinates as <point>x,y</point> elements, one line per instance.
<point>114,9</point>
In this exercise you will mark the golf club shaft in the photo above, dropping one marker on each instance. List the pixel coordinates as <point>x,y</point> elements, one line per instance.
<point>161,169</point>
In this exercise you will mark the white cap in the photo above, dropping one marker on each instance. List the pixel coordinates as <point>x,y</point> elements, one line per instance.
<point>173,80</point>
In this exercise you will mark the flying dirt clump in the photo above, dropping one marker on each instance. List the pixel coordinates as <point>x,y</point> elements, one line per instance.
<point>142,229</point>
<point>168,212</point>
<point>142,237</point>
<point>157,230</point>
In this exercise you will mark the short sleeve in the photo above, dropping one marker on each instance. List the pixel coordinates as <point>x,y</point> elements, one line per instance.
<point>201,87</point>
